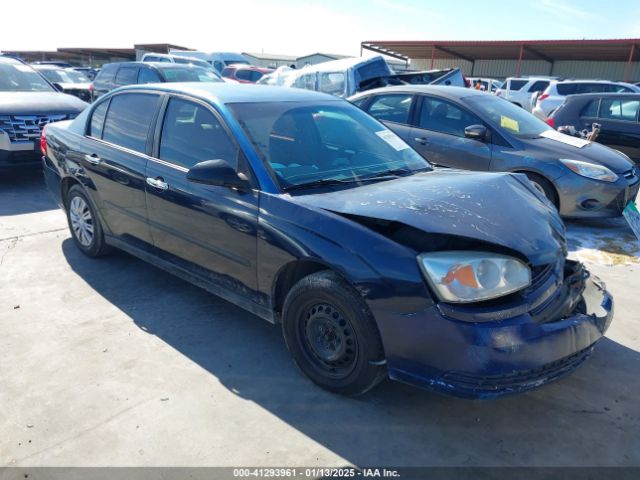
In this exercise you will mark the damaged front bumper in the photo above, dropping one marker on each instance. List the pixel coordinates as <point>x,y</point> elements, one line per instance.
<point>513,352</point>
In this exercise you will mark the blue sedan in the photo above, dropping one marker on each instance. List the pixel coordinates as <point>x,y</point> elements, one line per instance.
<point>306,211</point>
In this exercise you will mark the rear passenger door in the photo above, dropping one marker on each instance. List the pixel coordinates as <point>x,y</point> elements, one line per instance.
<point>439,135</point>
<point>208,230</point>
<point>115,159</point>
<point>394,110</point>
<point>618,118</point>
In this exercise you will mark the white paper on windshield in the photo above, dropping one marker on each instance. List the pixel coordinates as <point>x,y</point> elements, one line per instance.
<point>566,139</point>
<point>392,139</point>
<point>23,68</point>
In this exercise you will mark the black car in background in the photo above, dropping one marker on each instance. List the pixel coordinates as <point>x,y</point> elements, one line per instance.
<point>27,103</point>
<point>617,114</point>
<point>66,80</point>
<point>114,75</point>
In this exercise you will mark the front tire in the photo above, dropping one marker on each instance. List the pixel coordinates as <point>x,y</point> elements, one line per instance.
<point>545,187</point>
<point>332,335</point>
<point>84,223</point>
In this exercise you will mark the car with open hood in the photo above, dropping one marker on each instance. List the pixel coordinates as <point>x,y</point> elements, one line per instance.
<point>27,103</point>
<point>304,210</point>
<point>467,129</point>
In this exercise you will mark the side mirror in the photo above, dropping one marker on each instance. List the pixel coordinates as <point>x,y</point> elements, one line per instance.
<point>476,132</point>
<point>216,172</point>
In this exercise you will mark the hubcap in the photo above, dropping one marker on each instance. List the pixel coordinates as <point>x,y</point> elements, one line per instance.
<point>81,221</point>
<point>330,339</point>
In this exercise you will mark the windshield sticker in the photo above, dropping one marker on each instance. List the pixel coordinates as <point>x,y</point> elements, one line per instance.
<point>23,68</point>
<point>392,139</point>
<point>509,123</point>
<point>566,139</point>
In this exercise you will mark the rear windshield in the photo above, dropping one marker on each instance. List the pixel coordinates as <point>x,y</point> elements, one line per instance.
<point>507,117</point>
<point>17,77</point>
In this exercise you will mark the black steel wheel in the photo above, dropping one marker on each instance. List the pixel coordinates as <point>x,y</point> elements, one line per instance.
<point>331,334</point>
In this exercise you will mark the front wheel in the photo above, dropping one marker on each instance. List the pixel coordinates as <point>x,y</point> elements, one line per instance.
<point>84,223</point>
<point>332,336</point>
<point>545,187</point>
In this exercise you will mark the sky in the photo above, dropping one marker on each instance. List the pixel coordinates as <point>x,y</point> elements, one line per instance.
<point>305,26</point>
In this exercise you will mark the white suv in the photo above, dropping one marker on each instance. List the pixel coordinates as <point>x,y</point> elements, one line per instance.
<point>520,91</point>
<point>555,94</point>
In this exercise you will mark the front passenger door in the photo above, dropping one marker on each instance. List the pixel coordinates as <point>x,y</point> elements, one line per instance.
<point>439,136</point>
<point>208,230</point>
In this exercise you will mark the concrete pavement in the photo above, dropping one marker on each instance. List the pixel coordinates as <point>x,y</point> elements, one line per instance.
<point>113,362</point>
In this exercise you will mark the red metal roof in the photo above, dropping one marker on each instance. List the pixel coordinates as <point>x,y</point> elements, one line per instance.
<point>620,49</point>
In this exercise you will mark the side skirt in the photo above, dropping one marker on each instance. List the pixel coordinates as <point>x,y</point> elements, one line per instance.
<point>196,280</point>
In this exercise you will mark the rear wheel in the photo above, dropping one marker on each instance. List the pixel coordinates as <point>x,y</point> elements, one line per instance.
<point>332,336</point>
<point>545,187</point>
<point>84,224</point>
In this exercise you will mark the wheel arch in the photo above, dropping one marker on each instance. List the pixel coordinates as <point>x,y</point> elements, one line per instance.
<point>553,184</point>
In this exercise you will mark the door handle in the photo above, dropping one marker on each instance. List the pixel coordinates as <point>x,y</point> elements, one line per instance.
<point>422,140</point>
<point>158,183</point>
<point>93,159</point>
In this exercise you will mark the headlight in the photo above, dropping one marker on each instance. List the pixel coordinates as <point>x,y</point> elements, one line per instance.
<point>589,170</point>
<point>467,276</point>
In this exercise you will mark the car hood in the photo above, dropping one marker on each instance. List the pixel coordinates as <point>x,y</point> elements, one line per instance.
<point>29,103</point>
<point>502,209</point>
<point>595,153</point>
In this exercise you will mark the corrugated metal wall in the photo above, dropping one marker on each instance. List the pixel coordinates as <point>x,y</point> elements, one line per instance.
<point>507,68</point>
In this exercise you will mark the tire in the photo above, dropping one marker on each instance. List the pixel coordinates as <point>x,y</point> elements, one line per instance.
<point>545,187</point>
<point>332,336</point>
<point>84,223</point>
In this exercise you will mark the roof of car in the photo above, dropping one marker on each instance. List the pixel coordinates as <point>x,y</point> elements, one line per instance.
<point>7,59</point>
<point>154,64</point>
<point>441,90</point>
<point>223,93</point>
<point>590,96</point>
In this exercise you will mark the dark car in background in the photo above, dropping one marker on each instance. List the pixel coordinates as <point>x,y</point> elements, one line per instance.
<point>617,114</point>
<point>245,73</point>
<point>468,129</point>
<point>304,210</point>
<point>27,103</point>
<point>88,72</point>
<point>114,75</point>
<point>67,80</point>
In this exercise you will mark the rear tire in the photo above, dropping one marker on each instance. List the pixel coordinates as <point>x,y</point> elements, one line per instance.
<point>332,335</point>
<point>84,223</point>
<point>545,187</point>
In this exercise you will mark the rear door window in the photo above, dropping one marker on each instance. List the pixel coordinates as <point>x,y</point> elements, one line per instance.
<point>148,75</point>
<point>107,74</point>
<point>127,76</point>
<point>591,109</point>
<point>517,84</point>
<point>332,82</point>
<point>539,86</point>
<point>592,87</point>
<point>97,120</point>
<point>128,120</point>
<point>243,74</point>
<point>191,133</point>
<point>391,108</point>
<point>619,109</point>
<point>566,88</point>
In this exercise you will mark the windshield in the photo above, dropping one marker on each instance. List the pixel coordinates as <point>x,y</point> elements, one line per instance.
<point>508,117</point>
<point>16,77</point>
<point>306,142</point>
<point>193,74</point>
<point>64,76</point>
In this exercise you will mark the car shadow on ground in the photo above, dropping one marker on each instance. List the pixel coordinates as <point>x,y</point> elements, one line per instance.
<point>589,418</point>
<point>23,191</point>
